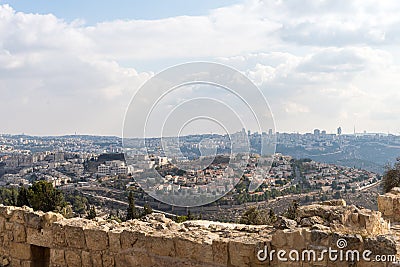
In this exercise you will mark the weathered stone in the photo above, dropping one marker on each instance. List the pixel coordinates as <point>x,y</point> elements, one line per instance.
<point>139,259</point>
<point>295,239</point>
<point>279,239</point>
<point>18,216</point>
<point>58,235</point>
<point>285,223</point>
<point>57,257</point>
<point>381,245</point>
<point>27,263</point>
<point>20,251</point>
<point>310,221</point>
<point>16,263</point>
<point>51,217</point>
<point>2,224</point>
<point>5,261</point>
<point>334,202</point>
<point>242,252</point>
<point>73,258</point>
<point>220,251</point>
<point>131,240</point>
<point>108,260</point>
<point>39,237</point>
<point>190,249</point>
<point>114,237</point>
<point>34,220</point>
<point>96,239</point>
<point>19,233</point>
<point>96,259</point>
<point>6,211</point>
<point>162,246</point>
<point>389,204</point>
<point>74,236</point>
<point>157,241</point>
<point>86,259</point>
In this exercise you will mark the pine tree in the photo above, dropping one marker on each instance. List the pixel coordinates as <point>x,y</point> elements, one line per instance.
<point>132,212</point>
<point>43,196</point>
<point>22,199</point>
<point>92,213</point>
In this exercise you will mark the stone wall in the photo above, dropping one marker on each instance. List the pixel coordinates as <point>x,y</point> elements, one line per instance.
<point>30,238</point>
<point>389,204</point>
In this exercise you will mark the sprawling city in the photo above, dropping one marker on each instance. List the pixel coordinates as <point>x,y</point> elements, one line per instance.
<point>312,166</point>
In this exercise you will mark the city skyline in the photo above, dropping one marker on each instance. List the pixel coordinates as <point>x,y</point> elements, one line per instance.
<point>310,131</point>
<point>67,69</point>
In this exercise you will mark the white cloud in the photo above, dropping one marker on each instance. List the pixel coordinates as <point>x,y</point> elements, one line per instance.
<point>328,62</point>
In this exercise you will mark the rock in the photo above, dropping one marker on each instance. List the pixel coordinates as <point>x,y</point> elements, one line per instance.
<point>320,227</point>
<point>395,191</point>
<point>285,223</point>
<point>5,261</point>
<point>310,221</point>
<point>389,204</point>
<point>158,217</point>
<point>335,202</point>
<point>381,245</point>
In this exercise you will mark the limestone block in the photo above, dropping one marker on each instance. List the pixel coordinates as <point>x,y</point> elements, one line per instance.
<point>96,239</point>
<point>96,258</point>
<point>295,239</point>
<point>138,259</point>
<point>86,259</point>
<point>57,257</point>
<point>19,233</point>
<point>74,236</point>
<point>16,263</point>
<point>18,216</point>
<point>195,250</point>
<point>241,252</point>
<point>2,224</point>
<point>58,235</point>
<point>220,251</point>
<point>133,240</point>
<point>114,237</point>
<point>34,220</point>
<point>20,251</point>
<point>108,260</point>
<point>279,239</point>
<point>39,237</point>
<point>162,246</point>
<point>73,258</point>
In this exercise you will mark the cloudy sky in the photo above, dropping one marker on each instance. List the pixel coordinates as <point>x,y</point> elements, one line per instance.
<point>73,66</point>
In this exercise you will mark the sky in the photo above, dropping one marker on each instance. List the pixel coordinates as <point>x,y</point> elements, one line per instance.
<point>73,66</point>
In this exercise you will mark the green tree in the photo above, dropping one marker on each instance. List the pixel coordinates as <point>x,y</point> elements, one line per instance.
<point>43,196</point>
<point>291,212</point>
<point>180,219</point>
<point>391,177</point>
<point>92,213</point>
<point>132,212</point>
<point>147,209</point>
<point>272,216</point>
<point>22,199</point>
<point>253,216</point>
